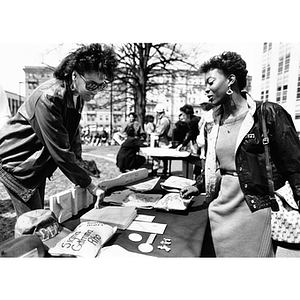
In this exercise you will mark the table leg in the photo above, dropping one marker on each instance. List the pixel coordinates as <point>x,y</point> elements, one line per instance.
<point>170,164</point>
<point>187,169</point>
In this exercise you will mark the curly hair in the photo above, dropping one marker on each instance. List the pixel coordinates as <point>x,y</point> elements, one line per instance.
<point>187,109</point>
<point>88,58</point>
<point>230,63</point>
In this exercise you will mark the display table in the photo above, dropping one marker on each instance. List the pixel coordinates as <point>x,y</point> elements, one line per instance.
<point>188,160</point>
<point>165,154</point>
<point>185,229</point>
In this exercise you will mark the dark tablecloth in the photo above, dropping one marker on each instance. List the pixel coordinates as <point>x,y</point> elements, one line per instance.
<point>186,229</point>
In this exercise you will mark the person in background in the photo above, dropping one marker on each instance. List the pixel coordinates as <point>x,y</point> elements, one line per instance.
<point>149,127</point>
<point>192,121</point>
<point>180,130</point>
<point>138,129</point>
<point>5,113</point>
<point>162,126</point>
<point>120,137</point>
<point>127,157</point>
<point>236,181</point>
<point>193,131</point>
<point>44,133</point>
<point>161,131</point>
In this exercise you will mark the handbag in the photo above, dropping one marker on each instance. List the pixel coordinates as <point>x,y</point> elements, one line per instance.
<point>285,216</point>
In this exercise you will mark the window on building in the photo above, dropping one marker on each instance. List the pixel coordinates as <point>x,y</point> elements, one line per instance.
<point>263,75</point>
<point>298,88</point>
<point>278,94</point>
<point>287,62</point>
<point>284,93</point>
<point>297,110</point>
<point>270,46</point>
<point>265,47</point>
<point>280,65</point>
<point>262,94</point>
<point>267,95</point>
<point>268,71</point>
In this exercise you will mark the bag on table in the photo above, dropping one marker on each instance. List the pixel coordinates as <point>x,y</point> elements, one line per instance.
<point>85,241</point>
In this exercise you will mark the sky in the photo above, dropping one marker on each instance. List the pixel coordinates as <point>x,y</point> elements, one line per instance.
<point>16,55</point>
<point>31,31</point>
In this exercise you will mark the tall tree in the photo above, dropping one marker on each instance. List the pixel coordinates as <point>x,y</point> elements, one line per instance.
<point>141,63</point>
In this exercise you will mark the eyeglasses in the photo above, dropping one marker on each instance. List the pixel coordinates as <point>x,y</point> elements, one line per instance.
<point>92,85</point>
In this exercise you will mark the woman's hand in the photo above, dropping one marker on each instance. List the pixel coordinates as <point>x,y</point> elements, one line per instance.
<point>96,191</point>
<point>189,191</point>
<point>179,147</point>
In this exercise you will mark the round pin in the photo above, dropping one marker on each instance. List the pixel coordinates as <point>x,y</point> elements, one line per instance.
<point>135,237</point>
<point>145,247</point>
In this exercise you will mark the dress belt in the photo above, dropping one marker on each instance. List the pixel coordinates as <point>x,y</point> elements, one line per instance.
<point>226,172</point>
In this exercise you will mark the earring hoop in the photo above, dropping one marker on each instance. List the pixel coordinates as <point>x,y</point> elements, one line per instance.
<point>73,89</point>
<point>229,91</point>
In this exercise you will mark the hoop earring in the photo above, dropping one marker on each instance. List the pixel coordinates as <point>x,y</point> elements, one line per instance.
<point>229,91</point>
<point>73,89</point>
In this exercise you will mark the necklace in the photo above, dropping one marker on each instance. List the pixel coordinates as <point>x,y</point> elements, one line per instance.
<point>232,121</point>
<point>228,128</point>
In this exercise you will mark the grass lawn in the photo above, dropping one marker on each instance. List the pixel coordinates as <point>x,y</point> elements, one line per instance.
<point>58,183</point>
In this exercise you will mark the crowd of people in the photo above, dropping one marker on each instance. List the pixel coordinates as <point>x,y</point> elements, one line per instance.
<point>227,138</point>
<point>94,136</point>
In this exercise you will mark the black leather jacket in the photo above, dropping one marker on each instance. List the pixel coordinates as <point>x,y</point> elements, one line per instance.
<point>250,156</point>
<point>43,135</point>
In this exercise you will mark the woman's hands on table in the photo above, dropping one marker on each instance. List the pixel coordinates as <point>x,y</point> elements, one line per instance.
<point>98,192</point>
<point>189,191</point>
<point>181,147</point>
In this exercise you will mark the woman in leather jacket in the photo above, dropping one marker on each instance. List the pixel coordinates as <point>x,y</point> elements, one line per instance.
<point>44,133</point>
<point>235,171</point>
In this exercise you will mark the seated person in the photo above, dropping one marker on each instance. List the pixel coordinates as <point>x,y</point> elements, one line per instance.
<point>127,157</point>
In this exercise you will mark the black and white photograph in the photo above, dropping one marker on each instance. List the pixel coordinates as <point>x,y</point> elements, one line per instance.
<point>97,99</point>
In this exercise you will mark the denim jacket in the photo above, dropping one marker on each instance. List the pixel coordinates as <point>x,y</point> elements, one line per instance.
<point>43,135</point>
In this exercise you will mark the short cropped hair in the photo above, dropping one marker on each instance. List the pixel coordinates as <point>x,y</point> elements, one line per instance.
<point>149,118</point>
<point>230,63</point>
<point>133,114</point>
<point>95,57</point>
<point>187,109</point>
